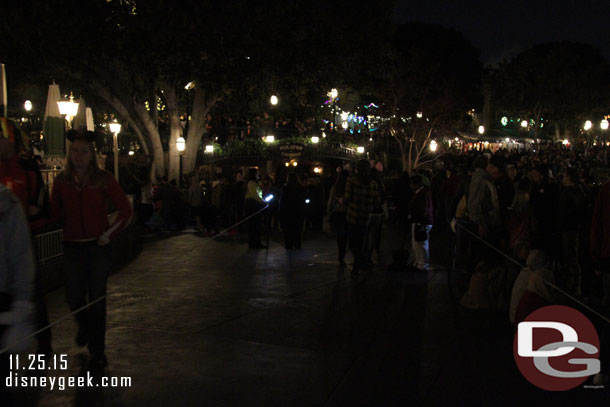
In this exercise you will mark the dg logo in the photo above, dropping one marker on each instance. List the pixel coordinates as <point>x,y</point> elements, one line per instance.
<point>557,348</point>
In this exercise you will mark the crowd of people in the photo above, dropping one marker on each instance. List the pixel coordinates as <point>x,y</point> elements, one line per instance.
<point>546,210</point>
<point>516,202</point>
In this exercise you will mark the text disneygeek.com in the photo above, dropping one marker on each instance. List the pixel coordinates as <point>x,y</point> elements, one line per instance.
<point>61,383</point>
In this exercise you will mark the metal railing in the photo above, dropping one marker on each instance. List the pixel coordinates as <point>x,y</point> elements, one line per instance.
<point>49,245</point>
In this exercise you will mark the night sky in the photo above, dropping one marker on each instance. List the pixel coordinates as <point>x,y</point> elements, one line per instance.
<point>503,28</point>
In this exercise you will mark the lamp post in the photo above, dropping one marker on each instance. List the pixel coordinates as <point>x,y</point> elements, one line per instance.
<point>180,146</point>
<point>604,124</point>
<point>334,93</point>
<point>68,107</point>
<point>115,128</point>
<point>27,105</point>
<point>188,87</point>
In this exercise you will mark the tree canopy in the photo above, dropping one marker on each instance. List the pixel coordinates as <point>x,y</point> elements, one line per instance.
<point>561,83</point>
<point>128,52</point>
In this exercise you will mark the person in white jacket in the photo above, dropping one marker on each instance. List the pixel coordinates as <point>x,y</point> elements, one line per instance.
<point>16,285</point>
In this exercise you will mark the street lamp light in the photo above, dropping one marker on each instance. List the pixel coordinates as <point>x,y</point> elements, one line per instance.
<point>273,100</point>
<point>360,150</point>
<point>524,123</point>
<point>419,115</point>
<point>481,129</point>
<point>433,146</point>
<point>180,146</point>
<point>115,128</point>
<point>27,105</point>
<point>315,139</point>
<point>604,125</point>
<point>269,139</point>
<point>209,148</point>
<point>588,125</point>
<point>69,108</point>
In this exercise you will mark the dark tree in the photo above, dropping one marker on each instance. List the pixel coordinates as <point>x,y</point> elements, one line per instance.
<point>563,83</point>
<point>432,70</point>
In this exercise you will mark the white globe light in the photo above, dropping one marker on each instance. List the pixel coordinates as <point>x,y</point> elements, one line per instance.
<point>588,125</point>
<point>270,139</point>
<point>604,124</point>
<point>333,93</point>
<point>274,100</point>
<point>115,127</point>
<point>315,139</point>
<point>27,105</point>
<point>344,125</point>
<point>360,149</point>
<point>524,123</point>
<point>419,115</point>
<point>180,144</point>
<point>481,129</point>
<point>433,146</point>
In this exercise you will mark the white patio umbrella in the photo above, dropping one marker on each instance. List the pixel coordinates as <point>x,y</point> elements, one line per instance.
<point>90,124</point>
<point>54,124</point>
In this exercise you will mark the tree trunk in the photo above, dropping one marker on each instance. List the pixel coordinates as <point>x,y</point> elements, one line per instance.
<point>202,103</point>
<point>158,165</point>
<point>123,112</point>
<point>175,130</point>
<point>557,133</point>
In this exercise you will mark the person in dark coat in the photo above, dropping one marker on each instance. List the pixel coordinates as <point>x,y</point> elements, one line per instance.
<point>292,212</point>
<point>422,219</point>
<point>570,220</point>
<point>336,210</point>
<point>544,196</point>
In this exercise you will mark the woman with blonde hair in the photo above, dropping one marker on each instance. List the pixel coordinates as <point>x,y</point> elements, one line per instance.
<point>80,201</point>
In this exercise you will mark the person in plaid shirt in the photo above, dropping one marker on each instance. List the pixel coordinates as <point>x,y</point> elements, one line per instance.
<point>361,197</point>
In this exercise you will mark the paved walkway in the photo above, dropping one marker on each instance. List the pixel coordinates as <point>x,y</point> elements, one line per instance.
<point>211,323</point>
